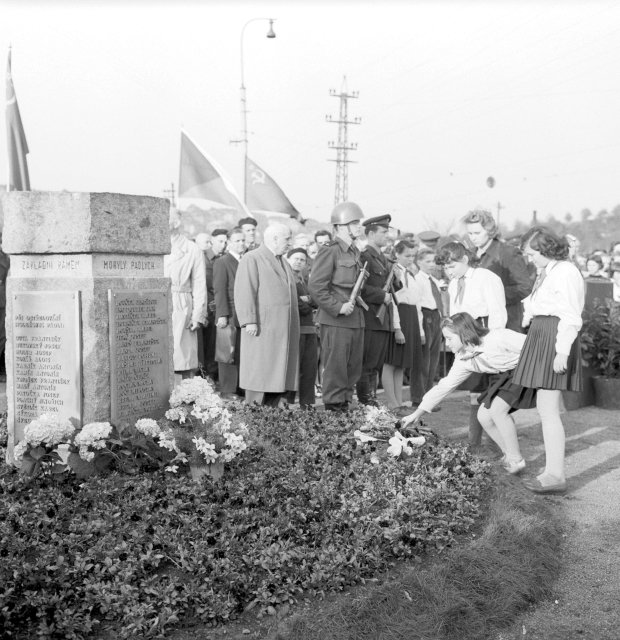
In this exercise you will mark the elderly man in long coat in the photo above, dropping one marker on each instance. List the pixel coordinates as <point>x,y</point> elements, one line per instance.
<point>266,304</point>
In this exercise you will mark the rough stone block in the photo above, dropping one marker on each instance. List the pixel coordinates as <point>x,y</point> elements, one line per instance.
<point>42,222</point>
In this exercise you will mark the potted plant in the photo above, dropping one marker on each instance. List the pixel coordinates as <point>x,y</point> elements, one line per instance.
<point>600,344</point>
<point>202,429</point>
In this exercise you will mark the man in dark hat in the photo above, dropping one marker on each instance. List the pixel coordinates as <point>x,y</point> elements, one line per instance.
<point>429,239</point>
<point>248,226</point>
<point>375,294</point>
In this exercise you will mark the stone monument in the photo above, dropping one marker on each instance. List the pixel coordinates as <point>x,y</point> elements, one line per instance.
<point>88,307</point>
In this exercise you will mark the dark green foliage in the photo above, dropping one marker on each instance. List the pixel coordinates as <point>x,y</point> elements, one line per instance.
<point>470,594</point>
<point>600,339</point>
<point>303,510</point>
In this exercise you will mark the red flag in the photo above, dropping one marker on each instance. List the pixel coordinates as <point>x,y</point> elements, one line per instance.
<point>263,194</point>
<point>200,177</point>
<point>16,139</point>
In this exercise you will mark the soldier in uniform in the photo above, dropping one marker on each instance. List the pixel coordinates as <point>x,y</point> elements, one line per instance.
<point>377,331</point>
<point>334,274</point>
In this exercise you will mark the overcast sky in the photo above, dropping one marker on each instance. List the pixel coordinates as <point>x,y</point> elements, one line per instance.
<point>450,93</point>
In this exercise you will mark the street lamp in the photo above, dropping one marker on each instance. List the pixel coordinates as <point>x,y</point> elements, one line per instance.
<point>244,103</point>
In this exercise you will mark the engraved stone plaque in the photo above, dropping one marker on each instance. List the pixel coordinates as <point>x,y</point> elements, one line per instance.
<point>139,356</point>
<point>47,375</point>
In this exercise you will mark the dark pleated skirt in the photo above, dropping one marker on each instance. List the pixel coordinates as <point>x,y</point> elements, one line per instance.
<point>535,366</point>
<point>404,355</point>
<point>477,382</point>
<point>516,396</point>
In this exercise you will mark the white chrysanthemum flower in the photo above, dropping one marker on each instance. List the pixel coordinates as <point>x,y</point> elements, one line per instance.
<point>93,435</point>
<point>167,441</point>
<point>48,429</point>
<point>206,449</point>
<point>148,427</point>
<point>19,450</point>
<point>173,468</point>
<point>85,454</point>
<point>178,414</point>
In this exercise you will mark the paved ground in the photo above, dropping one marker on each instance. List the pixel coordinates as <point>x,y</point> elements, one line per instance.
<point>586,601</point>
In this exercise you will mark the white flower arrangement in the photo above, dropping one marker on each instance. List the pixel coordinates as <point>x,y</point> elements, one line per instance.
<point>49,430</point>
<point>148,427</point>
<point>378,426</point>
<point>205,425</point>
<point>92,436</point>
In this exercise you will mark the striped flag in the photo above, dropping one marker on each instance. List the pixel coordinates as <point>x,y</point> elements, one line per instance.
<point>200,177</point>
<point>263,193</point>
<point>16,139</point>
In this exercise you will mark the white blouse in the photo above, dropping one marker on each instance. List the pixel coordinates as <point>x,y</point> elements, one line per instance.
<point>560,294</point>
<point>483,296</point>
<point>499,351</point>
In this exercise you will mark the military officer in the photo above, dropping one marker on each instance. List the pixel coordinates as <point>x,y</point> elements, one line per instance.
<point>375,295</point>
<point>332,280</point>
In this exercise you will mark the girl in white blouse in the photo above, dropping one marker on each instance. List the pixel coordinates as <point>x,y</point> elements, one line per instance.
<point>480,293</point>
<point>492,351</point>
<point>551,358</point>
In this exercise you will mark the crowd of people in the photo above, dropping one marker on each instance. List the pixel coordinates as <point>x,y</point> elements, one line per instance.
<point>360,305</point>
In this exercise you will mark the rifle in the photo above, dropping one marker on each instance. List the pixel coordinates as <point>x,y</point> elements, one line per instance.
<point>380,315</point>
<point>357,287</point>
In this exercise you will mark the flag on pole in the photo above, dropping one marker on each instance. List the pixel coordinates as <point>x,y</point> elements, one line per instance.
<point>263,193</point>
<point>200,177</point>
<point>16,139</point>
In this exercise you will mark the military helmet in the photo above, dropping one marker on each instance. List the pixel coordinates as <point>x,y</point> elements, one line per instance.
<point>346,212</point>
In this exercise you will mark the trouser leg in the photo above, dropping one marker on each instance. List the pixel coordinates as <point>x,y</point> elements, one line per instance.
<point>307,368</point>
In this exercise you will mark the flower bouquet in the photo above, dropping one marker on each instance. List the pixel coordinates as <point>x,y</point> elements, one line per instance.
<point>201,428</point>
<point>381,427</point>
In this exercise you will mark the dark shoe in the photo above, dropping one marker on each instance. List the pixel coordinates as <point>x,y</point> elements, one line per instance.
<point>535,486</point>
<point>337,407</point>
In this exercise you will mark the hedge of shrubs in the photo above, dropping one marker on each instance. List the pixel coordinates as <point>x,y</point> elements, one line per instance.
<point>302,510</point>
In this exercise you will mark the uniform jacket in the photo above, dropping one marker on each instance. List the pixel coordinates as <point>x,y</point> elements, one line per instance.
<point>266,295</point>
<point>186,269</point>
<point>332,279</point>
<point>224,271</point>
<point>508,263</point>
<point>373,295</point>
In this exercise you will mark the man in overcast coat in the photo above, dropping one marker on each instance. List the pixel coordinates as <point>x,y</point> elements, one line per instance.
<point>266,305</point>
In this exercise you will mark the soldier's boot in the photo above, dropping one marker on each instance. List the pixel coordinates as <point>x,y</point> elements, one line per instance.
<point>364,393</point>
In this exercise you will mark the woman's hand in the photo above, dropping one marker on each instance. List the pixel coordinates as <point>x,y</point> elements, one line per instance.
<point>399,336</point>
<point>560,362</point>
<point>412,418</point>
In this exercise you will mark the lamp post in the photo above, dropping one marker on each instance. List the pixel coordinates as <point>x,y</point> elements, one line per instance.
<point>244,102</point>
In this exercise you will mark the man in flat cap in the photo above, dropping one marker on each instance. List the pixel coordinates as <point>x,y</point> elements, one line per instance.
<point>332,280</point>
<point>248,226</point>
<point>429,239</point>
<point>377,295</point>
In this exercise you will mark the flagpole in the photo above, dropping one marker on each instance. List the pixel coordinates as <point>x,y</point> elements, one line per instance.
<point>244,102</point>
<point>8,163</point>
